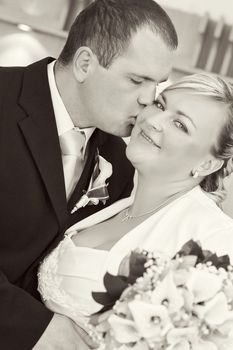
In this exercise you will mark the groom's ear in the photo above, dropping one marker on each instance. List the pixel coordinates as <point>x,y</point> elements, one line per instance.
<point>84,62</point>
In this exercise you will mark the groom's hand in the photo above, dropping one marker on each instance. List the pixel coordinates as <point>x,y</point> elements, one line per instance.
<point>63,334</point>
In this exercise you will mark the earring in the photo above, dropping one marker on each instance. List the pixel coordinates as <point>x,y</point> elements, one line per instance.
<point>195,174</point>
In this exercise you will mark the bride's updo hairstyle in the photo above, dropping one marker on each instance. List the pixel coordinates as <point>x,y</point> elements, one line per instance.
<point>219,90</point>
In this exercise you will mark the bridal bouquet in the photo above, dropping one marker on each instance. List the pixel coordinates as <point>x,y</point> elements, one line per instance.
<point>158,303</point>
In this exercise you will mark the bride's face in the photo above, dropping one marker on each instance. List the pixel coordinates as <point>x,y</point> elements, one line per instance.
<point>175,134</point>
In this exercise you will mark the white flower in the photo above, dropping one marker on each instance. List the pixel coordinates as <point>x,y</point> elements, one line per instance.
<point>182,336</point>
<point>226,328</point>
<point>183,345</point>
<point>203,284</point>
<point>215,311</point>
<point>141,345</point>
<point>180,277</point>
<point>228,290</point>
<point>166,291</point>
<point>152,321</point>
<point>105,172</point>
<point>227,344</point>
<point>221,342</point>
<point>199,345</point>
<point>204,345</point>
<point>97,189</point>
<point>187,339</point>
<point>124,330</point>
<point>188,299</point>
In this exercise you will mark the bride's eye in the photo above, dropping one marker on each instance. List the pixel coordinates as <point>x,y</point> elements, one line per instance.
<point>159,105</point>
<point>179,125</point>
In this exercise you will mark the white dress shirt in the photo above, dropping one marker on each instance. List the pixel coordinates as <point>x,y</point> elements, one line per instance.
<point>64,122</point>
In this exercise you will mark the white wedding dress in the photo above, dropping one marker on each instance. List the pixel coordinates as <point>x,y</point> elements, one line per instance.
<point>67,278</point>
<point>69,275</point>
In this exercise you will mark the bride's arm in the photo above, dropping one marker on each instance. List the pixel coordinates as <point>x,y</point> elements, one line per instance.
<point>62,333</point>
<point>86,343</point>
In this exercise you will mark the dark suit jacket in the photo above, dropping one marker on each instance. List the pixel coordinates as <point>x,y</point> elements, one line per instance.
<point>33,209</point>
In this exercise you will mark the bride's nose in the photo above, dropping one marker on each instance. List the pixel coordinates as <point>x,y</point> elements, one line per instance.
<point>157,120</point>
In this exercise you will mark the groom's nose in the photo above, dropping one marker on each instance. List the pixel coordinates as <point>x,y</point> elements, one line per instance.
<point>147,95</point>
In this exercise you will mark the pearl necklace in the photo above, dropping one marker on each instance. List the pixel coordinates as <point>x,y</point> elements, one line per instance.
<point>127,216</point>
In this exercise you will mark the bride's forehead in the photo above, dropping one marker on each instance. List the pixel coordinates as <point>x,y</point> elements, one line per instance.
<point>183,94</point>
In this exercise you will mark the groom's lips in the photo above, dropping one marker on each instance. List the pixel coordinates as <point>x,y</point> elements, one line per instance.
<point>133,120</point>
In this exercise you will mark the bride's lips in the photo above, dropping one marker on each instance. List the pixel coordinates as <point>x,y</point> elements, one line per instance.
<point>145,135</point>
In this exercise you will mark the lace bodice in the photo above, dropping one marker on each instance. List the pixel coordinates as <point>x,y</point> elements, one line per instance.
<point>68,276</point>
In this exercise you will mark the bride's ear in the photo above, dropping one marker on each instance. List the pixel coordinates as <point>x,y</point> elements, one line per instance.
<point>209,166</point>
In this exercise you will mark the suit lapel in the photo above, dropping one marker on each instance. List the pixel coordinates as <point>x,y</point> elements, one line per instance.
<point>40,132</point>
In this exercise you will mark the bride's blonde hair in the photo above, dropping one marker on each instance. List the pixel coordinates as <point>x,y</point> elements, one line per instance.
<point>218,89</point>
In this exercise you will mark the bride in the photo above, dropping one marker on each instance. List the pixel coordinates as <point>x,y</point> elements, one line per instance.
<point>182,149</point>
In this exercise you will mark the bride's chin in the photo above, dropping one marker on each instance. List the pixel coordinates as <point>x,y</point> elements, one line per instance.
<point>132,155</point>
<point>128,152</point>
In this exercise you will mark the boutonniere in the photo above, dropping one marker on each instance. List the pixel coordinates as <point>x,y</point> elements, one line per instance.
<point>97,189</point>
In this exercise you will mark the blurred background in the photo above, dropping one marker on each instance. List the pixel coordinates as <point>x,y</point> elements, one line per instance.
<point>33,29</point>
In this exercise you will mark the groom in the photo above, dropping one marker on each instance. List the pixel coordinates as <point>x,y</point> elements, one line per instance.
<point>116,53</point>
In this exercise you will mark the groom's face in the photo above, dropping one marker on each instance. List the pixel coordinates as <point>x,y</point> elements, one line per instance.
<point>114,96</point>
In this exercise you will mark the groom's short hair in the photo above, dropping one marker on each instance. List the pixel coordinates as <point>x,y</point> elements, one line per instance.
<point>106,27</point>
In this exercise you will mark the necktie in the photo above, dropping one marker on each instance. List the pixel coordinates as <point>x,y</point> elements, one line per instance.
<point>72,144</point>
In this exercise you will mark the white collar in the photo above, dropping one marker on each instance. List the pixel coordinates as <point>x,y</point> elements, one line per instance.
<point>63,120</point>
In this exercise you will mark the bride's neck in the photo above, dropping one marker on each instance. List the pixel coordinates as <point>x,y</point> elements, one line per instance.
<point>150,195</point>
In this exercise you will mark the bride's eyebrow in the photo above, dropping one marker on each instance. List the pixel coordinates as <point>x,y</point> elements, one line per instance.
<point>186,116</point>
<point>163,97</point>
